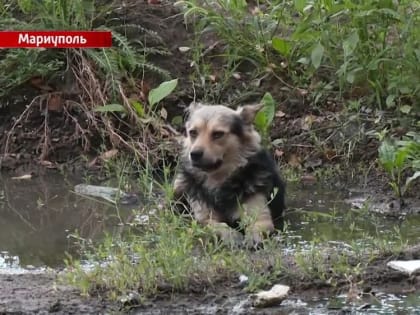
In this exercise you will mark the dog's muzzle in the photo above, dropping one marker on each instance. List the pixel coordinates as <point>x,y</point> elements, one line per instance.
<point>198,161</point>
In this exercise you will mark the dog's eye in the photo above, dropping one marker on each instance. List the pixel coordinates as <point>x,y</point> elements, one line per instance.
<point>193,133</point>
<point>217,134</point>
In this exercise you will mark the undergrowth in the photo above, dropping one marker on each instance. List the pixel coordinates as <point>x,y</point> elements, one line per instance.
<point>365,51</point>
<point>76,82</point>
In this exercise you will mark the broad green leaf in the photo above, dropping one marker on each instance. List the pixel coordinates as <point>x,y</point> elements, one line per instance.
<point>316,55</point>
<point>390,100</point>
<point>139,108</point>
<point>350,77</point>
<point>387,155</point>
<point>109,108</point>
<point>177,120</point>
<point>265,117</point>
<point>260,121</point>
<point>282,46</point>
<point>162,91</point>
<point>401,157</point>
<point>405,109</point>
<point>350,44</point>
<point>304,61</point>
<point>269,107</point>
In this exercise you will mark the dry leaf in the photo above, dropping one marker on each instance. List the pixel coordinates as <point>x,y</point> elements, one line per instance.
<point>92,163</point>
<point>302,92</point>
<point>212,77</point>
<point>55,103</point>
<point>255,11</point>
<point>26,176</point>
<point>163,113</point>
<point>307,122</point>
<point>184,48</point>
<point>308,179</point>
<point>236,75</point>
<point>47,164</point>
<point>280,114</point>
<point>330,154</point>
<point>108,154</point>
<point>294,160</point>
<point>144,90</point>
<point>278,153</point>
<point>39,83</point>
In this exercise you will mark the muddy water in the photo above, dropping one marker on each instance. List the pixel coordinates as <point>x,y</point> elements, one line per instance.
<point>38,214</point>
<point>327,215</point>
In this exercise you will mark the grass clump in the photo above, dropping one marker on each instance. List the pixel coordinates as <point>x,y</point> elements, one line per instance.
<point>160,250</point>
<point>156,249</point>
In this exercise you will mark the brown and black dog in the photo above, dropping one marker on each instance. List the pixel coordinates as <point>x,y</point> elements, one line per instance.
<point>225,175</point>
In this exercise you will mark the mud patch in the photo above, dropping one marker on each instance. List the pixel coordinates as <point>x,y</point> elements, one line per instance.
<point>40,293</point>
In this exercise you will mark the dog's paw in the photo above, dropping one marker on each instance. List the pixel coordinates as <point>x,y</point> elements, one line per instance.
<point>255,236</point>
<point>227,235</point>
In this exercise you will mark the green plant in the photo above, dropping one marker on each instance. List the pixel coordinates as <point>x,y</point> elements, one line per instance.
<point>398,156</point>
<point>264,118</point>
<point>364,48</point>
<point>155,96</point>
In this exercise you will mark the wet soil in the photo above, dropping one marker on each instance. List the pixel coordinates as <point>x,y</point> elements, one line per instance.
<point>41,294</point>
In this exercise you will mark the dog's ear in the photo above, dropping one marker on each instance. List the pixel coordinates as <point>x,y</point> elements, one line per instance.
<point>193,107</point>
<point>248,112</point>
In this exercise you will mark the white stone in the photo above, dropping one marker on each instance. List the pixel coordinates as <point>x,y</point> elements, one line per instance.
<point>275,296</point>
<point>243,279</point>
<point>408,266</point>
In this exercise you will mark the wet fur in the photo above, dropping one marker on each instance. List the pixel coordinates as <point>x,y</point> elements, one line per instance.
<point>247,169</point>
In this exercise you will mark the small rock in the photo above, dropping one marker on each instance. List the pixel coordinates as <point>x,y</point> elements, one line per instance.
<point>56,307</point>
<point>409,266</point>
<point>275,296</point>
<point>243,279</point>
<point>130,300</point>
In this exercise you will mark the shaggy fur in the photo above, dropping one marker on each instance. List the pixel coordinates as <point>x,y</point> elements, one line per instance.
<point>225,173</point>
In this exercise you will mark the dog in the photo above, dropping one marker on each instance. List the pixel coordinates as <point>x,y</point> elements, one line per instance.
<point>226,176</point>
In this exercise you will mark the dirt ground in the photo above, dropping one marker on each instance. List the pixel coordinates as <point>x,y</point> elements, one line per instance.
<point>39,294</point>
<point>42,294</point>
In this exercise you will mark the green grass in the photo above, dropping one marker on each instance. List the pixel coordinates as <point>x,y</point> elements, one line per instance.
<point>159,250</point>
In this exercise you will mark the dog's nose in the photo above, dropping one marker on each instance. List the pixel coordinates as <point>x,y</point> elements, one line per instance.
<point>196,155</point>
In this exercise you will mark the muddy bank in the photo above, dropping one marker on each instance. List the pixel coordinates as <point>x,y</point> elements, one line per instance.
<point>41,294</point>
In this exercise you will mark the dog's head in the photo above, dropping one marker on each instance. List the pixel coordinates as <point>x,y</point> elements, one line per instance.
<point>218,138</point>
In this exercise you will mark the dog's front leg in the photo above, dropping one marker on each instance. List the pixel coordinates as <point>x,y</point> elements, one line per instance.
<point>261,223</point>
<point>208,217</point>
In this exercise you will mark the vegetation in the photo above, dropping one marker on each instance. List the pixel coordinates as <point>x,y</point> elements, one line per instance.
<point>397,157</point>
<point>160,250</point>
<point>80,82</point>
<point>365,51</point>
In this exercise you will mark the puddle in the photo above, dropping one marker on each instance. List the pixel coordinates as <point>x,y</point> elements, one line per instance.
<point>325,216</point>
<point>37,215</point>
